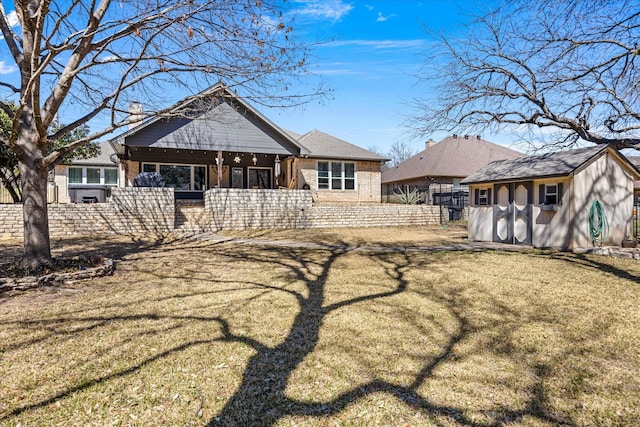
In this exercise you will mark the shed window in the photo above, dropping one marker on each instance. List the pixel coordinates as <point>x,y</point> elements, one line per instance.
<point>550,194</point>
<point>482,197</point>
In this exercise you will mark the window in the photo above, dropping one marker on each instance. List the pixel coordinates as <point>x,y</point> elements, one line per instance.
<point>323,175</point>
<point>550,194</point>
<point>93,175</point>
<point>111,176</point>
<point>336,176</point>
<point>482,196</point>
<point>180,177</point>
<point>75,175</point>
<point>149,167</point>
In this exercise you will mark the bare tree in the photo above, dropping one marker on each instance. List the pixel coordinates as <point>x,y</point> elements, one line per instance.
<point>94,57</point>
<point>565,67</point>
<point>399,152</point>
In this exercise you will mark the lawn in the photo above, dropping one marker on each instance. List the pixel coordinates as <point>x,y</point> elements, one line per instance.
<point>194,333</point>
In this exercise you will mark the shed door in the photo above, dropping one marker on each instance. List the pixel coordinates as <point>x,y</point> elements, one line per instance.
<point>512,213</point>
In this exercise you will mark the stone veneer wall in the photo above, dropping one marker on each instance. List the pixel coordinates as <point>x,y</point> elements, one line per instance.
<point>130,211</point>
<point>232,208</point>
<point>154,210</point>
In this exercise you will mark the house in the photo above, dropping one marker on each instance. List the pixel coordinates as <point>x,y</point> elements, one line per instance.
<point>547,200</point>
<point>438,169</point>
<point>218,140</point>
<point>86,180</point>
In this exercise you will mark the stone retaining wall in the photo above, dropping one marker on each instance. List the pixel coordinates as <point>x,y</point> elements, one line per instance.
<point>154,210</point>
<point>130,211</point>
<point>232,209</point>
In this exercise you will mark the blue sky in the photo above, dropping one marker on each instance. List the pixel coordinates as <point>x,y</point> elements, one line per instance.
<point>372,51</point>
<point>368,52</point>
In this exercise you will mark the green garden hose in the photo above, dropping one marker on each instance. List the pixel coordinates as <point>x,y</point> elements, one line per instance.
<point>598,224</point>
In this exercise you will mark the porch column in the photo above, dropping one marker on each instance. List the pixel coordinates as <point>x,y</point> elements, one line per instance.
<point>219,163</point>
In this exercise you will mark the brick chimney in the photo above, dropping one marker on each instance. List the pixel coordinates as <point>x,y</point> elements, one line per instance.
<point>136,114</point>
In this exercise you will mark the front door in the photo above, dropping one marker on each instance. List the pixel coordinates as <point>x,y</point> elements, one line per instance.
<point>512,213</point>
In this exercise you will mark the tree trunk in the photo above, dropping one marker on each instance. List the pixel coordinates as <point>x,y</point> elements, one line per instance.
<point>37,249</point>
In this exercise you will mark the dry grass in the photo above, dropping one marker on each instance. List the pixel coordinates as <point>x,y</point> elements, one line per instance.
<point>191,333</point>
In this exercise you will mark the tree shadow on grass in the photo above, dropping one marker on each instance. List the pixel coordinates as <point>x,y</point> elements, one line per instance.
<point>261,397</point>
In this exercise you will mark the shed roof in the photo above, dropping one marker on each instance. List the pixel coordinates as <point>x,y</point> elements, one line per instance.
<point>454,156</point>
<point>325,146</point>
<point>562,163</point>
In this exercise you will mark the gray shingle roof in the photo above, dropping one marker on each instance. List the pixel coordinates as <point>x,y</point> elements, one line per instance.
<point>455,157</point>
<point>561,163</point>
<point>103,159</point>
<point>325,146</point>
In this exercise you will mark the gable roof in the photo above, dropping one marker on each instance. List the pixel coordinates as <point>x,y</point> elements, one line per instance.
<point>324,146</point>
<point>103,159</point>
<point>452,157</point>
<point>562,163</point>
<point>238,125</point>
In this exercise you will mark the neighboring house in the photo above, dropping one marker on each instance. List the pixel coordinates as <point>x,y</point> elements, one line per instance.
<point>546,200</point>
<point>88,180</point>
<point>223,142</point>
<point>438,169</point>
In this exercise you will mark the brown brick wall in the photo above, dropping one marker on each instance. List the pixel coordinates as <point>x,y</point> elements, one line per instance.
<point>368,184</point>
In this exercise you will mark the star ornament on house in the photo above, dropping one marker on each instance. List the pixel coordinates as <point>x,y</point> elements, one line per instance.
<point>236,159</point>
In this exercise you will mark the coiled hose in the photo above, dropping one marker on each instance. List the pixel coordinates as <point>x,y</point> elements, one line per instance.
<point>598,224</point>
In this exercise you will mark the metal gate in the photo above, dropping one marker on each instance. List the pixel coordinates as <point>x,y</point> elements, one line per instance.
<point>512,213</point>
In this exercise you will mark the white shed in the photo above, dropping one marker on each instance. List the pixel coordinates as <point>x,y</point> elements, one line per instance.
<point>548,200</point>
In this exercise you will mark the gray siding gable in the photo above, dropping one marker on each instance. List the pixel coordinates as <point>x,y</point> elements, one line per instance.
<point>224,127</point>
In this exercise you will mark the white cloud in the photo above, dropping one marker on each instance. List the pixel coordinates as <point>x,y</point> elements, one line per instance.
<point>382,18</point>
<point>328,9</point>
<point>7,69</point>
<point>12,18</point>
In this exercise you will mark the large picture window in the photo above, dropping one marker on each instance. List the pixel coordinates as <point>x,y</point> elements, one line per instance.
<point>336,176</point>
<point>180,177</point>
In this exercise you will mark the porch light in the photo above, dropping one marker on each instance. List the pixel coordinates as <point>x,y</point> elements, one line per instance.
<point>254,159</point>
